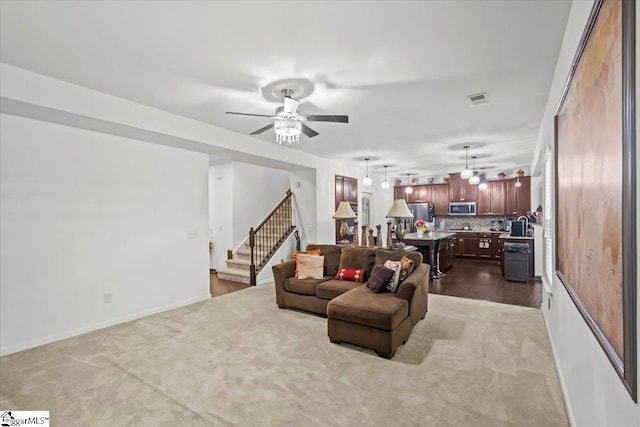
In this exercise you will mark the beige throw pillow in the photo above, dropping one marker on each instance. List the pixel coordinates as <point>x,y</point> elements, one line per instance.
<point>310,266</point>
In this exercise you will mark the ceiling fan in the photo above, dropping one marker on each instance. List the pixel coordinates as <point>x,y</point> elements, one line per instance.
<point>288,124</point>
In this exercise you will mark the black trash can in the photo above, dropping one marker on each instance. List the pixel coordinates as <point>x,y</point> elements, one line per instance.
<point>516,261</point>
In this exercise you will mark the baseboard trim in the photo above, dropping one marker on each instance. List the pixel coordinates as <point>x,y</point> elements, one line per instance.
<point>563,387</point>
<point>14,348</point>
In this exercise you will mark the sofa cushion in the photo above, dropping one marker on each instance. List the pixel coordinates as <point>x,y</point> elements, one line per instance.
<point>363,307</point>
<point>310,266</point>
<point>296,254</point>
<point>333,288</point>
<point>303,286</point>
<point>406,267</point>
<point>331,257</point>
<point>380,276</point>
<point>358,257</point>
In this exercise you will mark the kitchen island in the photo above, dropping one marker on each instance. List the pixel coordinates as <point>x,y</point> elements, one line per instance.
<point>429,245</point>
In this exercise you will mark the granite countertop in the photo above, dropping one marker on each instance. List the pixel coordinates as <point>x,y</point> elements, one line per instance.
<point>435,235</point>
<point>473,230</point>
<point>505,235</point>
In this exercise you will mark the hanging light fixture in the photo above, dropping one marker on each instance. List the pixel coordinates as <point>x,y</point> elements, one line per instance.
<point>483,182</point>
<point>385,184</point>
<point>475,176</point>
<point>518,184</point>
<point>287,130</point>
<point>409,188</point>
<point>466,173</point>
<point>367,181</point>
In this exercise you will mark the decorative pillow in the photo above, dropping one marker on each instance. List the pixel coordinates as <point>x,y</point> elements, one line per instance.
<point>311,266</point>
<point>295,256</point>
<point>394,281</point>
<point>351,274</point>
<point>406,268</point>
<point>380,276</point>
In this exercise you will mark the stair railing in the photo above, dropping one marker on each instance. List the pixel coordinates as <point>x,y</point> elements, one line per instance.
<point>269,235</point>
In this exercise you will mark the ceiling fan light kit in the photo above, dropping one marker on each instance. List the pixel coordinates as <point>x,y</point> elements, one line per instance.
<point>288,123</point>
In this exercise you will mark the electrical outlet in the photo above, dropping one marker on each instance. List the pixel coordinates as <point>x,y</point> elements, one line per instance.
<point>108,298</point>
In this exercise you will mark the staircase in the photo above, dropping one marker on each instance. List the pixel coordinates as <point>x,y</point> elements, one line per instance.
<point>261,244</point>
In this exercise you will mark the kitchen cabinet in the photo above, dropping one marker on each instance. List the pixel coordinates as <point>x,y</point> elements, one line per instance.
<point>518,199</point>
<point>398,193</point>
<point>346,190</point>
<point>496,252</point>
<point>468,245</point>
<point>440,198</point>
<point>420,194</point>
<point>448,250</point>
<point>460,190</point>
<point>491,201</point>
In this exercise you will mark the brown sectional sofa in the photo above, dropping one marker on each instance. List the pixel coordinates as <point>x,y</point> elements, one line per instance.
<point>356,314</point>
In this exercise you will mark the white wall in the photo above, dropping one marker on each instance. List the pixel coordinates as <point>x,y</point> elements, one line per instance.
<point>84,214</point>
<point>594,394</point>
<point>220,213</point>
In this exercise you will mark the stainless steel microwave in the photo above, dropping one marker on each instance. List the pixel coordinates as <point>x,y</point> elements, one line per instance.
<point>462,208</point>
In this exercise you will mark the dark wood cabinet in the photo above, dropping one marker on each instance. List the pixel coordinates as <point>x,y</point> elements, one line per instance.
<point>420,194</point>
<point>347,191</point>
<point>469,245</point>
<point>440,198</point>
<point>483,202</point>
<point>398,193</point>
<point>491,201</point>
<point>518,199</point>
<point>460,190</point>
<point>496,252</point>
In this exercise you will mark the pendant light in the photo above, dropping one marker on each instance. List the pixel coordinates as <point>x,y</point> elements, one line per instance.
<point>483,182</point>
<point>475,176</point>
<point>466,173</point>
<point>518,184</point>
<point>385,184</point>
<point>367,181</point>
<point>409,188</point>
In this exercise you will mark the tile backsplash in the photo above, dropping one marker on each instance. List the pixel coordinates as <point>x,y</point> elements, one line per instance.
<point>473,221</point>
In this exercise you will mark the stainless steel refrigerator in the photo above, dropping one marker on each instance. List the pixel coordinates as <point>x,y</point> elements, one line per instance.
<point>420,210</point>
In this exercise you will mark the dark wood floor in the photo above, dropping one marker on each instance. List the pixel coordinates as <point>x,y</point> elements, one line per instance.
<point>219,287</point>
<point>483,280</point>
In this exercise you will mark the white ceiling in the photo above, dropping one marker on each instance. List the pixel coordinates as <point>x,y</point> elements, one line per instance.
<point>400,70</point>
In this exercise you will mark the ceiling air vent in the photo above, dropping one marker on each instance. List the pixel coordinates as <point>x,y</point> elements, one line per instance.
<point>478,98</point>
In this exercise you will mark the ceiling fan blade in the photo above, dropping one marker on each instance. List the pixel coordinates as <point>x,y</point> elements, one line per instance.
<point>308,131</point>
<point>290,105</point>
<point>335,119</point>
<point>249,114</point>
<point>266,128</point>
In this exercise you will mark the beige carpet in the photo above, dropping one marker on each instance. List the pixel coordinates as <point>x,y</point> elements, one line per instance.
<point>238,360</point>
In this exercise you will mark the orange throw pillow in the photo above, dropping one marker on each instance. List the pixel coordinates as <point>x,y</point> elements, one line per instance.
<point>315,252</point>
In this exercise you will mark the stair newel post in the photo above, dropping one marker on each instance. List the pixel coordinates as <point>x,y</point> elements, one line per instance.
<point>355,232</point>
<point>389,243</point>
<point>364,235</point>
<point>371,243</point>
<point>379,235</point>
<point>252,267</point>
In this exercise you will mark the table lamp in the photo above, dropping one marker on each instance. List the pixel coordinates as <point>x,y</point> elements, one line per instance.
<point>399,211</point>
<point>344,212</point>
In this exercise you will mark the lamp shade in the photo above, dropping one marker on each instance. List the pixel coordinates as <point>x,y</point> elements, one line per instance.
<point>344,211</point>
<point>399,210</point>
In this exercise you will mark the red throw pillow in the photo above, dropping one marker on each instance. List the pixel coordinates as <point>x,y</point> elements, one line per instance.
<point>351,274</point>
